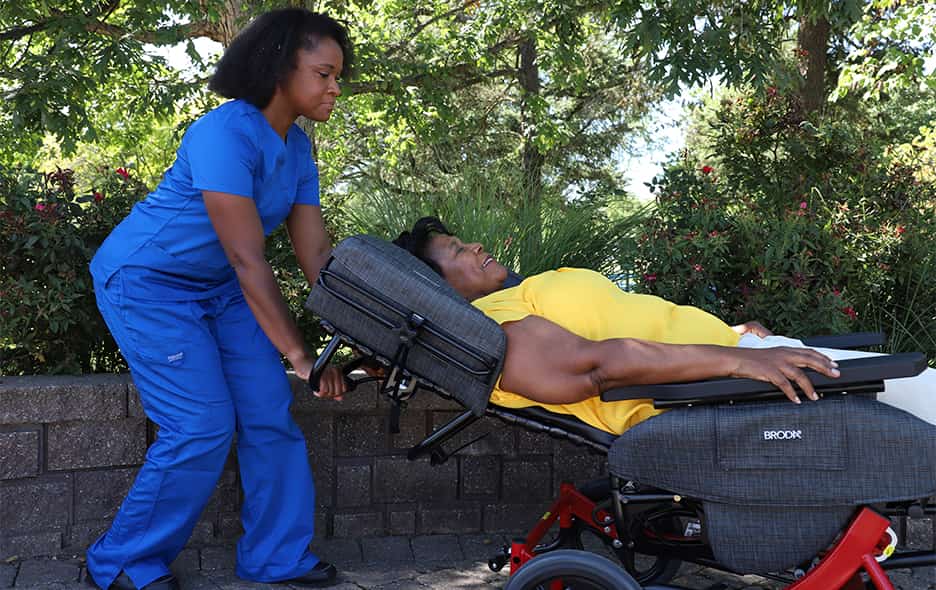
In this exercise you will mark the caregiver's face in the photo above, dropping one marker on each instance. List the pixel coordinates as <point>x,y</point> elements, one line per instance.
<point>467,267</point>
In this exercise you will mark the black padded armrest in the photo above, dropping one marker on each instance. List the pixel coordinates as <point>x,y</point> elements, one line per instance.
<point>847,341</point>
<point>854,372</point>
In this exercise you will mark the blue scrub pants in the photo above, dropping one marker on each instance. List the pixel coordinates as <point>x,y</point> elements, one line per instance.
<point>205,369</point>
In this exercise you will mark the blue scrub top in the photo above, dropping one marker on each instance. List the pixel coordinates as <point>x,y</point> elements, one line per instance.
<point>166,247</point>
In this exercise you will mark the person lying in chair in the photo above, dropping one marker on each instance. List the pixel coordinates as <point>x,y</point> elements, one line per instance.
<point>573,334</point>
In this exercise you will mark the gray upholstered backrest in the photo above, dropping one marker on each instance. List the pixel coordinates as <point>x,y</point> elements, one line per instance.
<point>369,290</point>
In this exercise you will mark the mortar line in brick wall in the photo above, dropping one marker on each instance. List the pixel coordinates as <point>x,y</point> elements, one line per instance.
<point>387,436</point>
<point>38,428</point>
<point>43,449</point>
<point>553,486</point>
<point>333,494</point>
<point>150,433</point>
<point>500,480</point>
<point>333,477</point>
<point>76,470</point>
<point>72,516</point>
<point>372,462</point>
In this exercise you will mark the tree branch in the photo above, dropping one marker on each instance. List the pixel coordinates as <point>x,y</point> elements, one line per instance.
<point>463,73</point>
<point>186,31</point>
<point>96,25</point>
<point>422,26</point>
<point>466,72</point>
<point>17,33</point>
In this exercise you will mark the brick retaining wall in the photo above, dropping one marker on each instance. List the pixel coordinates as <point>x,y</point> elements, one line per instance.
<point>70,447</point>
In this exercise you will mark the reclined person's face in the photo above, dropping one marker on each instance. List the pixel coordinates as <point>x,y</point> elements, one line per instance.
<point>467,267</point>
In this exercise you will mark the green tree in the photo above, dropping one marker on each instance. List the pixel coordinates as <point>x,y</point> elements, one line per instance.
<point>64,69</point>
<point>811,228</point>
<point>872,43</point>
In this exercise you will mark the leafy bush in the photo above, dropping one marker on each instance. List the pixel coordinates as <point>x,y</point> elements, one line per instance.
<point>49,322</point>
<point>810,228</point>
<point>488,207</point>
<point>50,227</point>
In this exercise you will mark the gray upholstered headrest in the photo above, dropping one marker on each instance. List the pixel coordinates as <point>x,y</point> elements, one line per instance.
<point>374,293</point>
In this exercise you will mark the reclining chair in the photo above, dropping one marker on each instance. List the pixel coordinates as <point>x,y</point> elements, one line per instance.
<point>733,477</point>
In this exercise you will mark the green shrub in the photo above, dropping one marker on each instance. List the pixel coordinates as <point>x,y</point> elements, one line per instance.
<point>811,229</point>
<point>49,322</point>
<point>49,230</point>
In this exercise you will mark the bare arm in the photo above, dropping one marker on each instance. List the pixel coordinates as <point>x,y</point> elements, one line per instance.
<point>312,245</point>
<point>237,223</point>
<point>310,240</point>
<point>549,364</point>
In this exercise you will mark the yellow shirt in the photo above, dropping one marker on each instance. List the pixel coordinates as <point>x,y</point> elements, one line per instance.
<point>588,304</point>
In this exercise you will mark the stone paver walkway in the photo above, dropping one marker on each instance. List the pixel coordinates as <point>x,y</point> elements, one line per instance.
<point>382,563</point>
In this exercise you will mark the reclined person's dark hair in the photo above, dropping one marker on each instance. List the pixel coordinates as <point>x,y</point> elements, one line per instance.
<point>417,239</point>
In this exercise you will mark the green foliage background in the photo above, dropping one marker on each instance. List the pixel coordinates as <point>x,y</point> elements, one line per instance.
<point>811,228</point>
<point>509,119</point>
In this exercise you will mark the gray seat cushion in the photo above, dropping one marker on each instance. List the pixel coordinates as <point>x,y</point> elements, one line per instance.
<point>795,472</point>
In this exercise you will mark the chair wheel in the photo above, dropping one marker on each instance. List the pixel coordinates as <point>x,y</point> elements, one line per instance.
<point>573,569</point>
<point>497,562</point>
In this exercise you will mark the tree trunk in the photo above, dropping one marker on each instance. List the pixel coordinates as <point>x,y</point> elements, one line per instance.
<point>231,21</point>
<point>528,76</point>
<point>813,42</point>
<point>532,159</point>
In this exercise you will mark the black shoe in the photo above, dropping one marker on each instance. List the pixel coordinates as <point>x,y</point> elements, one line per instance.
<point>123,582</point>
<point>323,574</point>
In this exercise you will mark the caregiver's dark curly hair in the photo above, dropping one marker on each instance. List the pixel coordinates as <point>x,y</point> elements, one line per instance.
<point>264,53</point>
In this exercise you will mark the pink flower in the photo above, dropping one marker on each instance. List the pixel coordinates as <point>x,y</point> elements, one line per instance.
<point>850,312</point>
<point>40,207</point>
<point>713,234</point>
<point>650,277</point>
<point>836,292</point>
<point>707,169</point>
<point>98,197</point>
<point>900,230</point>
<point>697,267</point>
<point>123,172</point>
<point>803,205</point>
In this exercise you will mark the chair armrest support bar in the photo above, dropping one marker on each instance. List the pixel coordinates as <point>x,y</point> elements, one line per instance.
<point>847,341</point>
<point>855,374</point>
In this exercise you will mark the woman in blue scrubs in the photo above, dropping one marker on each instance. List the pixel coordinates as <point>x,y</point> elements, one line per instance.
<point>185,289</point>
